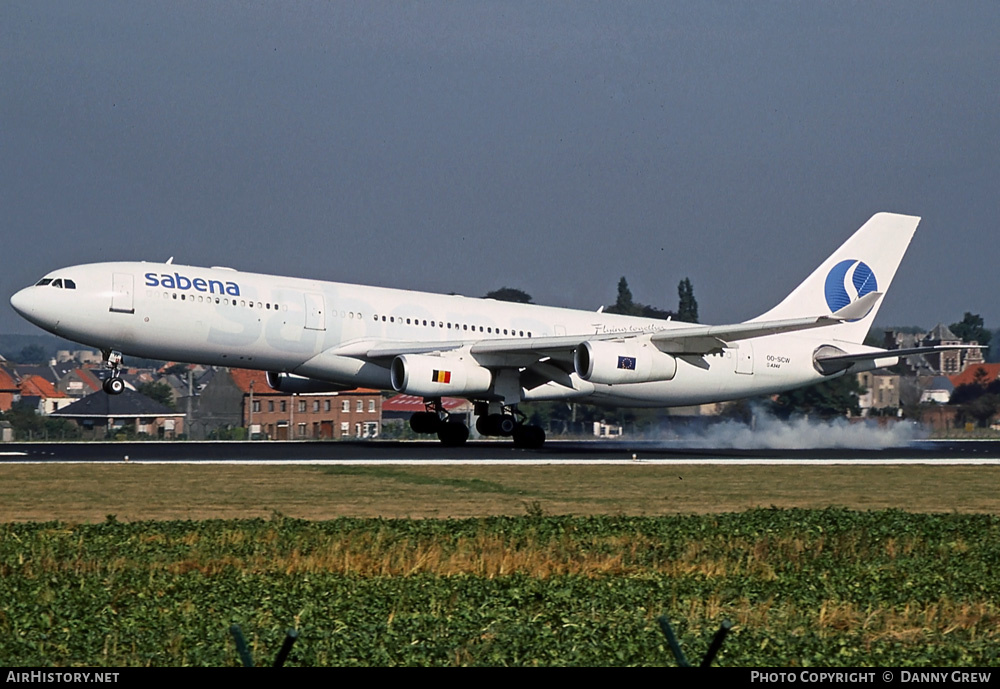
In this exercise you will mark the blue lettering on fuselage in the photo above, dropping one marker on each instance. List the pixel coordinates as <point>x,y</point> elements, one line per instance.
<point>182,282</point>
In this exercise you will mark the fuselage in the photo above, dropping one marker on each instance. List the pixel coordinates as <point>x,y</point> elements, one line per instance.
<point>223,317</point>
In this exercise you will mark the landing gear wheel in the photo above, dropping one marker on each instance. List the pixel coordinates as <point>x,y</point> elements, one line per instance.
<point>483,426</point>
<point>114,386</point>
<point>496,424</point>
<point>453,433</point>
<point>425,422</point>
<point>506,425</point>
<point>529,437</point>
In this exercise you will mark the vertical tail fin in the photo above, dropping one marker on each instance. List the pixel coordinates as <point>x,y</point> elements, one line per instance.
<point>863,264</point>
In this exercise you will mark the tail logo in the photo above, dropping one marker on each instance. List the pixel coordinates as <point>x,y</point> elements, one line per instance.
<point>848,281</point>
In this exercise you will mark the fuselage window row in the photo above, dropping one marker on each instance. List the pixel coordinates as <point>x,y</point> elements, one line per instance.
<point>456,326</point>
<point>69,284</point>
<point>225,302</point>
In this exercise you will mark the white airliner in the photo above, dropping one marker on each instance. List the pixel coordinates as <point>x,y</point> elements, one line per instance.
<point>315,336</point>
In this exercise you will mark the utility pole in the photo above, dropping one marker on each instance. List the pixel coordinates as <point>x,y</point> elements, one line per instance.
<point>187,418</point>
<point>250,423</point>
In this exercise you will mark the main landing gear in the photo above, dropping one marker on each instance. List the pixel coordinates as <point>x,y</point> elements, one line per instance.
<point>507,423</point>
<point>436,420</point>
<point>114,385</point>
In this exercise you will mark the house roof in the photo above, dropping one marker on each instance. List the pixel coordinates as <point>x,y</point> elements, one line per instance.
<point>412,403</point>
<point>87,377</point>
<point>36,386</point>
<point>7,382</point>
<point>969,375</point>
<point>23,371</point>
<point>941,383</point>
<point>242,377</point>
<point>941,332</point>
<point>128,403</point>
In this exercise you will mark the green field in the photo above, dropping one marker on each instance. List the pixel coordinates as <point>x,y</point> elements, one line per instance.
<point>142,492</point>
<point>818,587</point>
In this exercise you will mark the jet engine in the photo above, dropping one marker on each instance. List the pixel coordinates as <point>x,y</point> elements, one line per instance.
<point>629,361</point>
<point>434,376</point>
<point>293,384</point>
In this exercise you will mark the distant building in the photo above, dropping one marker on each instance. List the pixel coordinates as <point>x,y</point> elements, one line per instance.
<point>934,363</point>
<point>398,409</point>
<point>984,374</point>
<point>42,395</point>
<point>9,391</point>
<point>78,382</point>
<point>402,407</point>
<point>707,409</point>
<point>881,391</point>
<point>80,356</point>
<point>242,398</point>
<point>940,418</point>
<point>100,414</point>
<point>216,409</point>
<point>937,391</point>
<point>606,430</point>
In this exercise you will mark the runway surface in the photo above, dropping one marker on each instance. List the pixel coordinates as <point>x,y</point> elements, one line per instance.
<point>554,452</point>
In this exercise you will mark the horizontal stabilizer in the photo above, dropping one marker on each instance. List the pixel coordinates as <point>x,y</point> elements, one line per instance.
<point>828,364</point>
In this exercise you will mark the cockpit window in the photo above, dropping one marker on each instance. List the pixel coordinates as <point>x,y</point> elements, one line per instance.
<point>61,283</point>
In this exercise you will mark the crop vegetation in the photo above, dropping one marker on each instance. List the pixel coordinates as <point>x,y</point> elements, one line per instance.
<point>803,587</point>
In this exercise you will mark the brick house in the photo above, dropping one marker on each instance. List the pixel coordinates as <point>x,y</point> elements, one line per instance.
<point>244,397</point>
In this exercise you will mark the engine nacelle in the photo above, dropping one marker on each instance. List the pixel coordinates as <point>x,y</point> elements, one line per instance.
<point>631,361</point>
<point>434,376</point>
<point>293,384</point>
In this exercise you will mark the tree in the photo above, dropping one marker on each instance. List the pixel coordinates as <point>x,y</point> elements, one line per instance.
<point>33,354</point>
<point>687,307</point>
<point>647,311</point>
<point>626,306</point>
<point>972,328</point>
<point>978,400</point>
<point>624,303</point>
<point>828,399</point>
<point>159,392</point>
<point>509,294</point>
<point>28,424</point>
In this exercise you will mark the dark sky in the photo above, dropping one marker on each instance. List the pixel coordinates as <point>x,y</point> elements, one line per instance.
<point>549,146</point>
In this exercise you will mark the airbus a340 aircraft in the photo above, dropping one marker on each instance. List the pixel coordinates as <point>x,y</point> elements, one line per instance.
<point>314,336</point>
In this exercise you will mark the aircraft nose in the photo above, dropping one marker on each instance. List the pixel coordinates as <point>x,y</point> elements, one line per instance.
<point>27,302</point>
<point>21,301</point>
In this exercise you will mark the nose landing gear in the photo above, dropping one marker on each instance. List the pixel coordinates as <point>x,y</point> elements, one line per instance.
<point>113,360</point>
